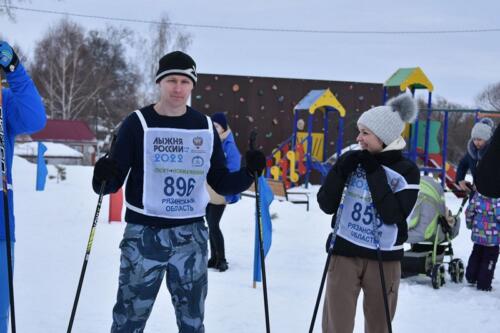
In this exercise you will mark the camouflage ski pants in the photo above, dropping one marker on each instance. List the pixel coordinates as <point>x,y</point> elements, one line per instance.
<point>147,253</point>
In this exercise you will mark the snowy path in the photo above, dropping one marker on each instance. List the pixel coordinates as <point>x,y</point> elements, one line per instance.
<point>52,233</point>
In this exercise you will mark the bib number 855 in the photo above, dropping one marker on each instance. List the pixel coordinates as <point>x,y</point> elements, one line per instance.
<point>366,216</point>
<point>179,186</point>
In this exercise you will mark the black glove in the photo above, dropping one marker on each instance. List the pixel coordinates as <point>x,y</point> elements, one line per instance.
<point>255,161</point>
<point>106,169</point>
<point>368,162</point>
<point>350,163</point>
<point>8,58</point>
<point>444,224</point>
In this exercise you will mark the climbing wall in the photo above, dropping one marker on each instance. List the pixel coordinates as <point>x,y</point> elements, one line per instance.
<point>266,104</point>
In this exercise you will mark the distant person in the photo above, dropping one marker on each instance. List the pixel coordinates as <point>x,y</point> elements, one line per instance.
<point>23,113</point>
<point>476,146</point>
<point>371,192</point>
<point>167,151</point>
<point>217,204</point>
<point>483,218</point>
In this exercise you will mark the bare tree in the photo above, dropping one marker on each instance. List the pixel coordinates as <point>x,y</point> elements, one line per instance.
<point>163,38</point>
<point>489,98</point>
<point>6,8</point>
<point>78,73</point>
<point>59,69</point>
<point>114,74</point>
<point>459,127</point>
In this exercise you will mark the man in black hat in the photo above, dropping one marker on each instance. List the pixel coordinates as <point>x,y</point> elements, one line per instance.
<point>168,151</point>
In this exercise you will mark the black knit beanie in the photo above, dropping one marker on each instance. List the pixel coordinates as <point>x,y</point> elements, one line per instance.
<point>178,63</point>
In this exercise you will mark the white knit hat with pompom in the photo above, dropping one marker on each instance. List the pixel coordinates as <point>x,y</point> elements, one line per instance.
<point>388,121</point>
<point>483,129</point>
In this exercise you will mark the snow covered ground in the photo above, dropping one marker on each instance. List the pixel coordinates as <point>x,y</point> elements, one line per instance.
<point>52,233</point>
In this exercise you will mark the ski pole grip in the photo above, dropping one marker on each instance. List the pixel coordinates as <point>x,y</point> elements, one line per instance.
<point>112,145</point>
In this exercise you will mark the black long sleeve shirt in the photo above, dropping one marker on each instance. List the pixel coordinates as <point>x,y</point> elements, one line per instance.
<point>128,151</point>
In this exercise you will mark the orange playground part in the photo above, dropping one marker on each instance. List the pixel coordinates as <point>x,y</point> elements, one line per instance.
<point>115,206</point>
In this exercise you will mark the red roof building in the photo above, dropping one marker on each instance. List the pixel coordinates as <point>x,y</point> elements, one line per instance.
<point>73,133</point>
<point>58,130</point>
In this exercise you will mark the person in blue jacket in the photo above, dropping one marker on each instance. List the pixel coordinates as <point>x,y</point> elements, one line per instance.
<point>476,147</point>
<point>23,112</point>
<point>217,204</point>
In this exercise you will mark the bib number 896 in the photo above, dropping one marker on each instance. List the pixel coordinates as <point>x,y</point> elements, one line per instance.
<point>179,186</point>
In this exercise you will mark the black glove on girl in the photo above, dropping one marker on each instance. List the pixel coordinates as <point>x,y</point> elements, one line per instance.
<point>368,161</point>
<point>350,163</point>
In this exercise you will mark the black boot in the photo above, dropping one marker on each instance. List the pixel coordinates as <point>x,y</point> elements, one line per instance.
<point>212,262</point>
<point>222,265</point>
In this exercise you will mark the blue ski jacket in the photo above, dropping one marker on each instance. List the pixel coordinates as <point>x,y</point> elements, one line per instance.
<point>233,161</point>
<point>469,161</point>
<point>23,113</point>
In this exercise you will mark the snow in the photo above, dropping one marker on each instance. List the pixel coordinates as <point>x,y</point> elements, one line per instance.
<point>52,233</point>
<point>53,150</point>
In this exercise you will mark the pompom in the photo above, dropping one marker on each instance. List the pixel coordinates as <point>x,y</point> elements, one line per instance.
<point>405,105</point>
<point>488,122</point>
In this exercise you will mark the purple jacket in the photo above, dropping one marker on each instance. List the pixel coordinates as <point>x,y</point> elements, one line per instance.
<point>483,218</point>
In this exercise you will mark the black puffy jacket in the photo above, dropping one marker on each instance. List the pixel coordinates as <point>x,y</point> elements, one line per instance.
<point>394,208</point>
<point>488,169</point>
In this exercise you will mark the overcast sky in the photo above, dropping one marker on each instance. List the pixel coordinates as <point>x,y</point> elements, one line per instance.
<point>459,65</point>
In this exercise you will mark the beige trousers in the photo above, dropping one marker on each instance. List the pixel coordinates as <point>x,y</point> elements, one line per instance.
<point>346,277</point>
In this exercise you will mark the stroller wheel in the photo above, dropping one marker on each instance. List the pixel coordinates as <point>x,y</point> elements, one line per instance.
<point>456,270</point>
<point>437,276</point>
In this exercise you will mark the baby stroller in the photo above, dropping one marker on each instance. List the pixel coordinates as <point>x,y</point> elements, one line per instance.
<point>431,227</point>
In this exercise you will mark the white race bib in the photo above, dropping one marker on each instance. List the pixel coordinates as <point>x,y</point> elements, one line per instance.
<point>176,163</point>
<point>359,221</point>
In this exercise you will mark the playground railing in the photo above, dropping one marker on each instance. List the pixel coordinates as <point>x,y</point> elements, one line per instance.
<point>281,193</point>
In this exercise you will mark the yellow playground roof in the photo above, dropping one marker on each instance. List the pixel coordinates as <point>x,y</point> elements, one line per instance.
<point>321,100</point>
<point>409,78</point>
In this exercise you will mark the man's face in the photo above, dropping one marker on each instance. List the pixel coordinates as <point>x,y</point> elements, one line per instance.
<point>175,89</point>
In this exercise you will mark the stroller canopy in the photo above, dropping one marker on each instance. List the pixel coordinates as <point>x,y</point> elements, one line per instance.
<point>430,206</point>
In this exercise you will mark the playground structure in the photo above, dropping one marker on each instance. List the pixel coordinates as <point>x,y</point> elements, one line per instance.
<point>306,150</point>
<point>426,147</point>
<point>294,159</point>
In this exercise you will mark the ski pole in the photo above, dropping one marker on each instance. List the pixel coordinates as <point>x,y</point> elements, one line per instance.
<point>384,290</point>
<point>335,227</point>
<point>381,271</point>
<point>89,247</point>
<point>253,136</point>
<point>320,292</point>
<point>327,263</point>
<point>6,219</point>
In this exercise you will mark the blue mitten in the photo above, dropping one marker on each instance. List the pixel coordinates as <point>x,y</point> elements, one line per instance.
<point>8,58</point>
